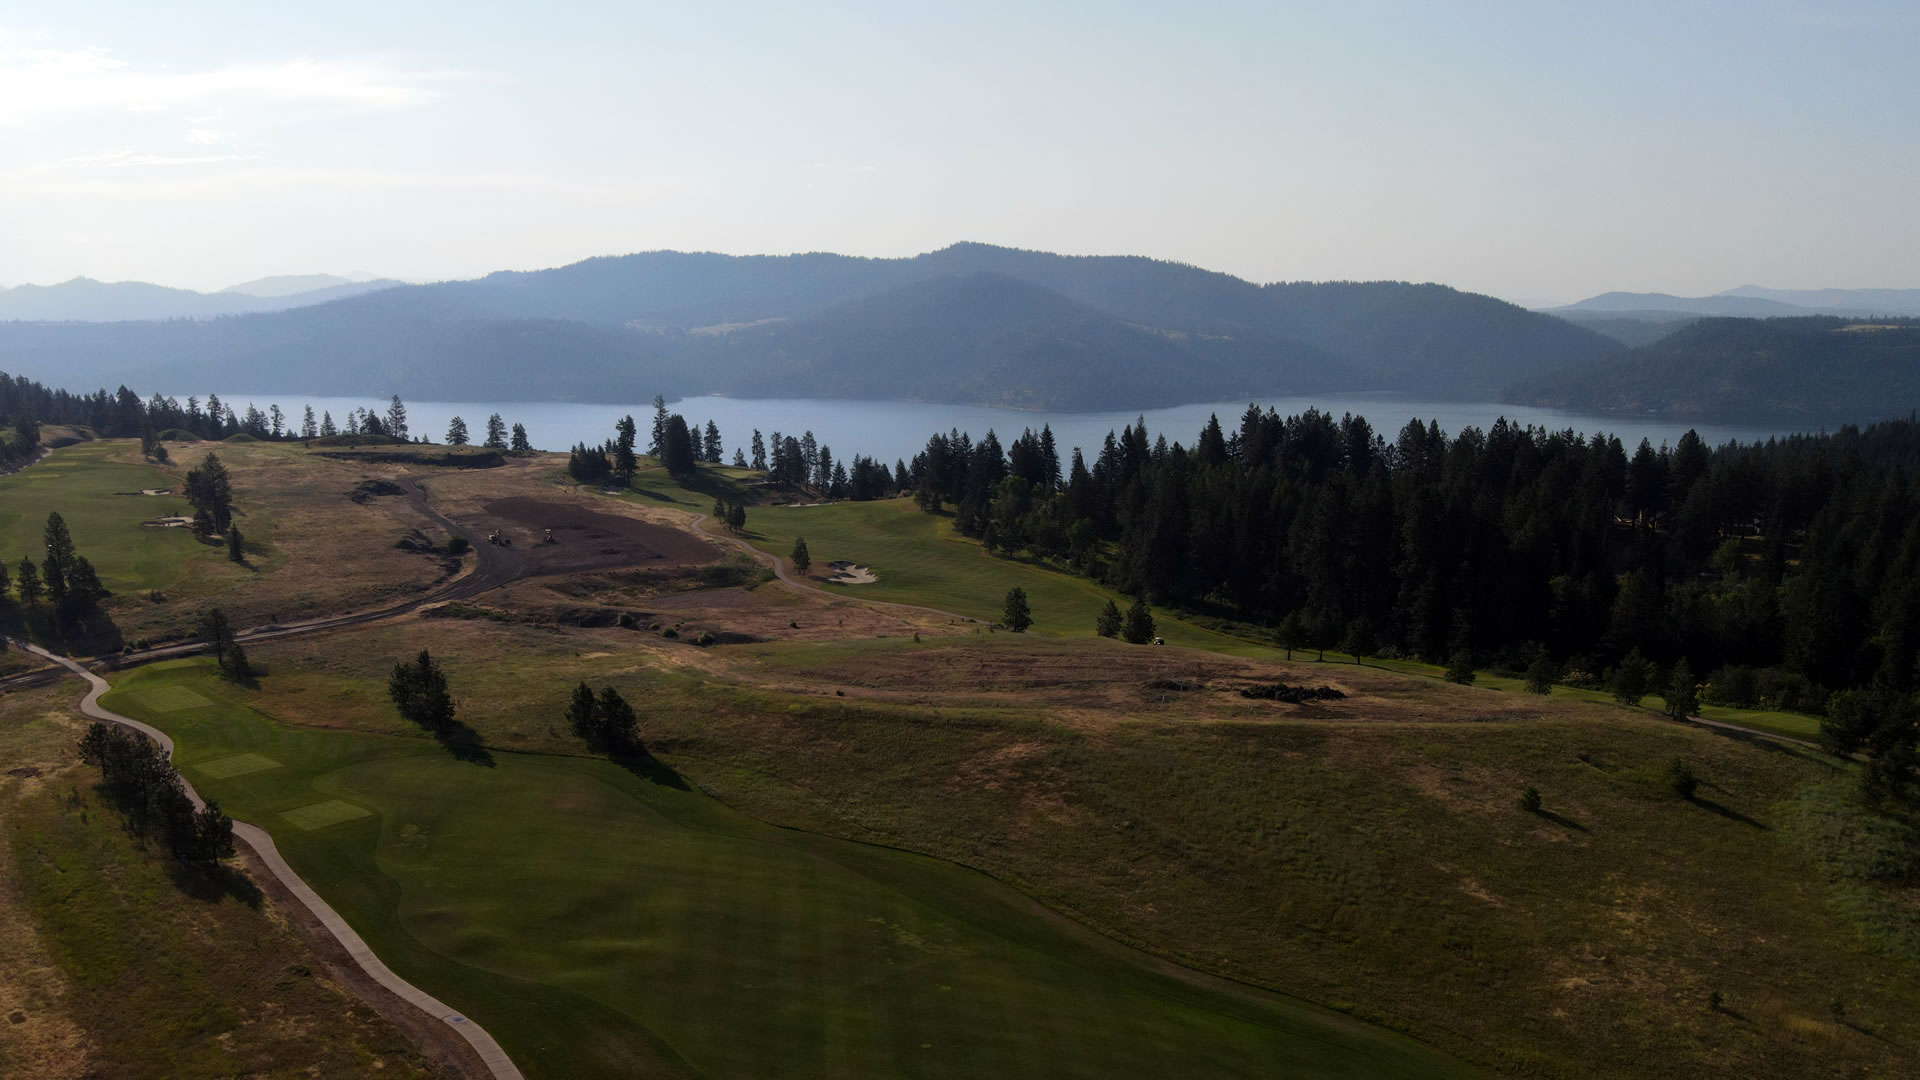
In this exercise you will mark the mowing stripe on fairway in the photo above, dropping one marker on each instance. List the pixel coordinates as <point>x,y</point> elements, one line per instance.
<point>170,699</point>
<point>322,814</point>
<point>235,765</point>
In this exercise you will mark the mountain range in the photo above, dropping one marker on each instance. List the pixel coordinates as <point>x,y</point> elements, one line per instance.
<point>971,323</point>
<point>1643,318</point>
<point>1797,373</point>
<point>87,300</point>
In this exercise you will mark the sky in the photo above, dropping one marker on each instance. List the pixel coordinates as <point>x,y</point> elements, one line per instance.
<point>1539,151</point>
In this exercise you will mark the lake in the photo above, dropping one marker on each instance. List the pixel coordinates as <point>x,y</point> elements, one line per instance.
<point>890,430</point>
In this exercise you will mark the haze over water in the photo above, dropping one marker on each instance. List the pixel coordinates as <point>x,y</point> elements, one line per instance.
<point>890,430</point>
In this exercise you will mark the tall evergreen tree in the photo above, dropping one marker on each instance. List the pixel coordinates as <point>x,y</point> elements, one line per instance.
<point>624,461</point>
<point>677,453</point>
<point>396,421</point>
<point>456,432</point>
<point>657,446</point>
<point>496,433</point>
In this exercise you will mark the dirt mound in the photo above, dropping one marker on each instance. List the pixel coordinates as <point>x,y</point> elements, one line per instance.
<point>370,489</point>
<point>586,539</point>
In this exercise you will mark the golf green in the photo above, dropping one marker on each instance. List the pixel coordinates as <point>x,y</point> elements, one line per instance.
<point>603,923</point>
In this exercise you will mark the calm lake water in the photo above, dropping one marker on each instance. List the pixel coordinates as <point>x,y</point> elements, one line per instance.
<point>897,430</point>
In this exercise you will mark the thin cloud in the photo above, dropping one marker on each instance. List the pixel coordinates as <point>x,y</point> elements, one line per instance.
<point>44,83</point>
<point>83,178</point>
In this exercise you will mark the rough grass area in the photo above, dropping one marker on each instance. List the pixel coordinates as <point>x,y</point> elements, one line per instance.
<point>113,969</point>
<point>1367,853</point>
<point>603,922</point>
<point>293,506</point>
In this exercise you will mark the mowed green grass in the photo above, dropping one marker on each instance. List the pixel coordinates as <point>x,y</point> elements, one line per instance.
<point>921,559</point>
<point>600,924</point>
<point>80,483</point>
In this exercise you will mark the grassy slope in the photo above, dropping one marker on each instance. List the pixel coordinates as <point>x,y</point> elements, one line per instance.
<point>151,981</point>
<point>920,559</point>
<point>596,921</point>
<point>80,482</point>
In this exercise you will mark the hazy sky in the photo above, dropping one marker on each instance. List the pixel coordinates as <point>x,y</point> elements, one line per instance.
<point>1530,150</point>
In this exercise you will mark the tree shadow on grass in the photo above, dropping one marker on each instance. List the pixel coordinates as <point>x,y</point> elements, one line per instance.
<point>213,882</point>
<point>650,768</point>
<point>1562,821</point>
<point>464,744</point>
<point>1727,812</point>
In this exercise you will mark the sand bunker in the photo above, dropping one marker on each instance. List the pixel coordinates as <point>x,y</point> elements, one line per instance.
<point>845,573</point>
<point>147,491</point>
<point>172,522</point>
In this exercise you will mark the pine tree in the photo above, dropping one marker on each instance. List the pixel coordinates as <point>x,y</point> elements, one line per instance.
<point>625,464</point>
<point>657,447</point>
<point>1541,673</point>
<point>759,452</point>
<point>580,713</point>
<point>710,444</point>
<point>1108,622</point>
<point>29,583</point>
<point>1139,625</point>
<point>1682,693</point>
<point>801,559</point>
<point>327,430</point>
<point>396,423</point>
<point>1631,679</point>
<point>677,450</point>
<point>496,433</point>
<point>308,429</point>
<point>1016,614</point>
<point>520,444</point>
<point>456,432</point>
<point>235,551</point>
<point>1460,668</point>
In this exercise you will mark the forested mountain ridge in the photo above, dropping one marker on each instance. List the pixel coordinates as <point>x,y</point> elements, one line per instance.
<point>1094,332</point>
<point>86,300</point>
<point>1803,373</point>
<point>989,338</point>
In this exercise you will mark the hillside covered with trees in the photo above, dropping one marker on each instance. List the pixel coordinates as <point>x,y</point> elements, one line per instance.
<point>1038,329</point>
<point>1800,373</point>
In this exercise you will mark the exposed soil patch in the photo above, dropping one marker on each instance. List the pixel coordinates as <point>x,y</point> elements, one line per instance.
<point>370,489</point>
<point>586,539</point>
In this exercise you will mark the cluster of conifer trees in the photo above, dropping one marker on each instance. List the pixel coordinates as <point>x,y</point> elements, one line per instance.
<point>63,577</point>
<point>135,772</point>
<point>1785,569</point>
<point>26,404</point>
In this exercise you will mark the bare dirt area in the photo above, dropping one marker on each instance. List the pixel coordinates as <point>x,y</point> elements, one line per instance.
<point>1101,682</point>
<point>585,539</point>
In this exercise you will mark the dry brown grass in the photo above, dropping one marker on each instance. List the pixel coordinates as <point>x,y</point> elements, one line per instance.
<point>38,1040</point>
<point>313,551</point>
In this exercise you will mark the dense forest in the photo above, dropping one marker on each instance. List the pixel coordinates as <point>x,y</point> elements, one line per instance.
<point>1802,372</point>
<point>1783,571</point>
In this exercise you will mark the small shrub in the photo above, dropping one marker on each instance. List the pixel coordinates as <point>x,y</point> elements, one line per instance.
<point>1530,799</point>
<point>1460,668</point>
<point>1715,1001</point>
<point>626,620</point>
<point>705,638</point>
<point>669,632</point>
<point>458,546</point>
<point>1681,779</point>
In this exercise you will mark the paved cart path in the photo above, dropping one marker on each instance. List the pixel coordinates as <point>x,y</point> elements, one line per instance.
<point>495,1058</point>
